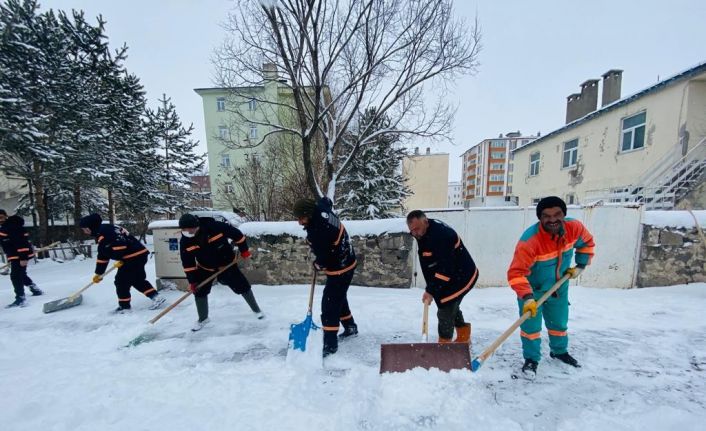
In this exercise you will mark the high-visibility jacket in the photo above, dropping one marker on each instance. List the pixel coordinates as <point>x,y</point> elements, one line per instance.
<point>541,258</point>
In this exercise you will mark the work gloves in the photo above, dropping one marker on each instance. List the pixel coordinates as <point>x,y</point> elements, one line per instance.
<point>118,263</point>
<point>193,287</point>
<point>245,254</point>
<point>531,306</point>
<point>97,278</point>
<point>575,271</point>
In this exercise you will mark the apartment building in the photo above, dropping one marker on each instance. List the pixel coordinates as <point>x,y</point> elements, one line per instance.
<point>487,170</point>
<point>427,177</point>
<point>455,195</point>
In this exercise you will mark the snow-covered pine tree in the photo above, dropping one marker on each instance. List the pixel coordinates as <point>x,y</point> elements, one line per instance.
<point>173,141</point>
<point>373,187</point>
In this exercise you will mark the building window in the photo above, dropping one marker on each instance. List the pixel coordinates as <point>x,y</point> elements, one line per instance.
<point>494,189</point>
<point>535,201</point>
<point>225,160</point>
<point>497,144</point>
<point>570,199</point>
<point>497,166</point>
<point>633,136</point>
<point>571,152</point>
<point>534,164</point>
<point>252,105</point>
<point>497,155</point>
<point>223,132</point>
<point>221,104</point>
<point>229,188</point>
<point>253,132</point>
<point>496,177</point>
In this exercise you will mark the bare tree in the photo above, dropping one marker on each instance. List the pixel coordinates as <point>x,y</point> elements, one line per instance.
<point>337,58</point>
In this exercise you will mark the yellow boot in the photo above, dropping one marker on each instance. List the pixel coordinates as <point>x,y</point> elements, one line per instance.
<point>463,334</point>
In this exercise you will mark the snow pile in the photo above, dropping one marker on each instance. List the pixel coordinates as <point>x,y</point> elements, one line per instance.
<point>354,227</point>
<point>643,353</point>
<point>678,219</point>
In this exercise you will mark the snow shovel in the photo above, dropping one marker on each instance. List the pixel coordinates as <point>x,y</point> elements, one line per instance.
<point>299,332</point>
<point>398,358</point>
<point>147,336</point>
<point>479,360</point>
<point>52,245</point>
<point>74,299</point>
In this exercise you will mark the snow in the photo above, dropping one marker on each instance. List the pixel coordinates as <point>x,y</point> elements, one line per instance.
<point>674,218</point>
<point>643,353</point>
<point>354,227</point>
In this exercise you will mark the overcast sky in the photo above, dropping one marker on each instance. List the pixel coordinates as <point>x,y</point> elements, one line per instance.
<point>535,53</point>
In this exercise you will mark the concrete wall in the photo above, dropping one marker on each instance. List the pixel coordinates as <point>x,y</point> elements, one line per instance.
<point>600,163</point>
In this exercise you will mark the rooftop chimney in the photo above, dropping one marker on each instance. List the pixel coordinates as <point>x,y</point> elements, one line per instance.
<point>578,105</point>
<point>269,72</point>
<point>611,86</point>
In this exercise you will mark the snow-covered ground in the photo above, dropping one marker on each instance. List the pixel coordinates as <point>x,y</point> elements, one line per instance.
<point>643,354</point>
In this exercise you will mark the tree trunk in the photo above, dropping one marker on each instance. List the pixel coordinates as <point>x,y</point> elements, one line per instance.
<point>77,209</point>
<point>111,207</point>
<point>40,202</point>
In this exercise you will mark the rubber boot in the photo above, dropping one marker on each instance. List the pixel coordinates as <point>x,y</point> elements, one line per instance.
<point>250,299</point>
<point>463,334</point>
<point>202,307</point>
<point>330,343</point>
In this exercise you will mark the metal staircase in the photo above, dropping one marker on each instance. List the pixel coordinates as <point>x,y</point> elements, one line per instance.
<point>665,184</point>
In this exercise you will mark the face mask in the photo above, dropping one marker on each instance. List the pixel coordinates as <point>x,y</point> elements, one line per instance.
<point>188,234</point>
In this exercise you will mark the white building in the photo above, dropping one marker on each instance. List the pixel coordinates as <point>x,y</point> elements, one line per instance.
<point>649,147</point>
<point>455,196</point>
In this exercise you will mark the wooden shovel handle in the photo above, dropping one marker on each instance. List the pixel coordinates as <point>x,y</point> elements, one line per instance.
<point>501,339</point>
<point>77,293</point>
<point>52,245</point>
<point>186,295</point>
<point>311,291</point>
<point>425,323</point>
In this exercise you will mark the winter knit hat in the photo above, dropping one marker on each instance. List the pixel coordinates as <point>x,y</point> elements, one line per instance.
<point>550,202</point>
<point>304,208</point>
<point>188,221</point>
<point>3,212</point>
<point>92,222</point>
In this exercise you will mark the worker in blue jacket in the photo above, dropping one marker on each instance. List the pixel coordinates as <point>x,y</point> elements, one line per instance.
<point>335,256</point>
<point>114,242</point>
<point>18,249</point>
<point>205,249</point>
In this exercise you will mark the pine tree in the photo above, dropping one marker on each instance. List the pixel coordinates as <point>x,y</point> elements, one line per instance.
<point>373,187</point>
<point>180,162</point>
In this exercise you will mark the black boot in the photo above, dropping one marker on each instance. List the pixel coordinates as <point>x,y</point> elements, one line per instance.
<point>350,330</point>
<point>530,366</point>
<point>19,302</point>
<point>201,307</point>
<point>250,299</point>
<point>35,290</point>
<point>565,358</point>
<point>330,343</point>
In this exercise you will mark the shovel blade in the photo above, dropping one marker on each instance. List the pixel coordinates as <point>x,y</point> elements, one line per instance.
<point>62,304</point>
<point>398,358</point>
<point>299,332</point>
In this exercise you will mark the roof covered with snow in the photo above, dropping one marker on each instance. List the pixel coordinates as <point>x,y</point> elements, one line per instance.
<point>686,74</point>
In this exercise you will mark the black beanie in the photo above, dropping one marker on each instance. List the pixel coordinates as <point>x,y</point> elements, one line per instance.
<point>304,208</point>
<point>550,202</point>
<point>188,221</point>
<point>91,221</point>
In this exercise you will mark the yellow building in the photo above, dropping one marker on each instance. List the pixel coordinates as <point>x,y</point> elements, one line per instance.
<point>649,147</point>
<point>427,177</point>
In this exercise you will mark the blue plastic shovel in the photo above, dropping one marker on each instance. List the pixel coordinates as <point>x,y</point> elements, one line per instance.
<point>299,332</point>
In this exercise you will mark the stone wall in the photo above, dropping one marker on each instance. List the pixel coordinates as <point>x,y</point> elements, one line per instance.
<point>383,261</point>
<point>695,199</point>
<point>671,256</point>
